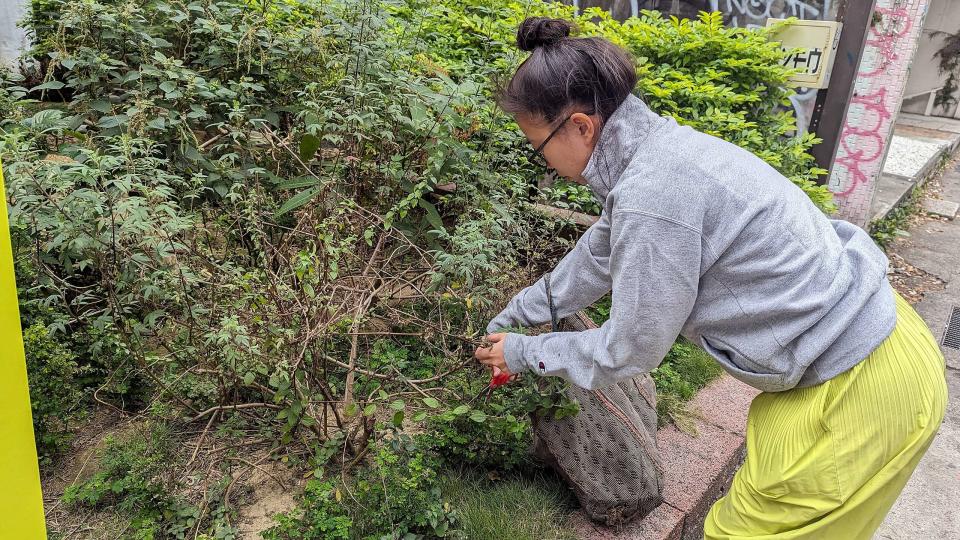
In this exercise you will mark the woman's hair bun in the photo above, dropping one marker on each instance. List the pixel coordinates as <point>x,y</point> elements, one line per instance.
<point>539,31</point>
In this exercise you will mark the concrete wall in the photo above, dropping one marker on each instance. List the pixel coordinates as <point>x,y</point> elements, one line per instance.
<point>742,13</point>
<point>621,9</point>
<point>944,16</point>
<point>750,13</point>
<point>12,39</point>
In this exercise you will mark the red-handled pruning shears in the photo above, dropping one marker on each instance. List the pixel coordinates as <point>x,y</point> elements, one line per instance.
<point>499,378</point>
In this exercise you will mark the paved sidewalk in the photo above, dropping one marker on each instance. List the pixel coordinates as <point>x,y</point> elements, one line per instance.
<point>929,506</point>
<point>915,151</point>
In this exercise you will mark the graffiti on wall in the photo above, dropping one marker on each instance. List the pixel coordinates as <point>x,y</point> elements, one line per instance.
<point>753,13</point>
<point>742,13</point>
<point>875,103</point>
<point>621,9</point>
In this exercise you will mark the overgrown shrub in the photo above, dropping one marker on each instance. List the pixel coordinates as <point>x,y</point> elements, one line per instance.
<point>399,497</point>
<point>491,431</point>
<point>54,391</point>
<point>494,436</point>
<point>302,215</point>
<point>229,204</point>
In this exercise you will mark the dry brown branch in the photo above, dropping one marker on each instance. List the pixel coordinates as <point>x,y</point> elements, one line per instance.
<point>231,408</point>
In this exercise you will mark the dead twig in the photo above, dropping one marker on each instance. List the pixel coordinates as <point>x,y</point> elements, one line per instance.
<point>196,450</point>
<point>261,469</point>
<point>233,407</point>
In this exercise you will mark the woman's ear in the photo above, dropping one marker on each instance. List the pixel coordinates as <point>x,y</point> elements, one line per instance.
<point>587,125</point>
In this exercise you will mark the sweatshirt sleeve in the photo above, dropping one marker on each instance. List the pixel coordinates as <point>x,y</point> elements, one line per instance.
<point>578,280</point>
<point>655,273</point>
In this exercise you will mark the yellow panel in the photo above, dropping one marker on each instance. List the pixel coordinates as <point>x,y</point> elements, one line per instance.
<point>818,41</point>
<point>21,503</point>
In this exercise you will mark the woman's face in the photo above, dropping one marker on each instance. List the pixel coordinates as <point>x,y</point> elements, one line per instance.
<point>569,150</point>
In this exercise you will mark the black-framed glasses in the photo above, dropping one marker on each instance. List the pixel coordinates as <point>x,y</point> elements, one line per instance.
<point>537,157</point>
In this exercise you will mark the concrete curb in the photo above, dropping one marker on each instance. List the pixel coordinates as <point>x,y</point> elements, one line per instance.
<point>900,185</point>
<point>904,185</point>
<point>698,468</point>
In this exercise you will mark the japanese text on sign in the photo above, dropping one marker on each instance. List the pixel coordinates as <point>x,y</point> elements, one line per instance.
<point>810,46</point>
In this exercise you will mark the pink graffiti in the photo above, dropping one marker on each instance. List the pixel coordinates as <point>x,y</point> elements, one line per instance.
<point>863,142</point>
<point>887,42</point>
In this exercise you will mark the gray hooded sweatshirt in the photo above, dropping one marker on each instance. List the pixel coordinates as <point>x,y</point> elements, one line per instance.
<point>701,238</point>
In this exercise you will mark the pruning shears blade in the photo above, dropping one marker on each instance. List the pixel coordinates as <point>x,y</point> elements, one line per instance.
<point>499,379</point>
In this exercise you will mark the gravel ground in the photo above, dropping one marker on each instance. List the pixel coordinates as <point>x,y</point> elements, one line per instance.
<point>907,155</point>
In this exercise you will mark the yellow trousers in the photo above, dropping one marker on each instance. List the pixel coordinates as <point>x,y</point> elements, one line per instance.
<point>829,461</point>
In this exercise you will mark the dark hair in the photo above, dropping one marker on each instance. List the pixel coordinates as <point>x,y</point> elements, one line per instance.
<point>563,73</point>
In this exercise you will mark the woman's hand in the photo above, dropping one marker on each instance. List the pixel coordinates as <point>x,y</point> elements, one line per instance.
<point>493,355</point>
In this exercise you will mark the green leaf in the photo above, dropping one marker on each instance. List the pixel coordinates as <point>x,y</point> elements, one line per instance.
<point>398,405</point>
<point>309,145</point>
<point>100,105</point>
<point>420,416</point>
<point>192,153</point>
<point>432,215</point>
<point>168,86</point>
<point>351,410</point>
<point>151,318</point>
<point>249,377</point>
<point>297,201</point>
<point>398,419</point>
<point>49,85</point>
<point>431,402</point>
<point>478,416</point>
<point>298,182</point>
<point>461,410</point>
<point>418,114</point>
<point>370,409</point>
<point>112,121</point>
